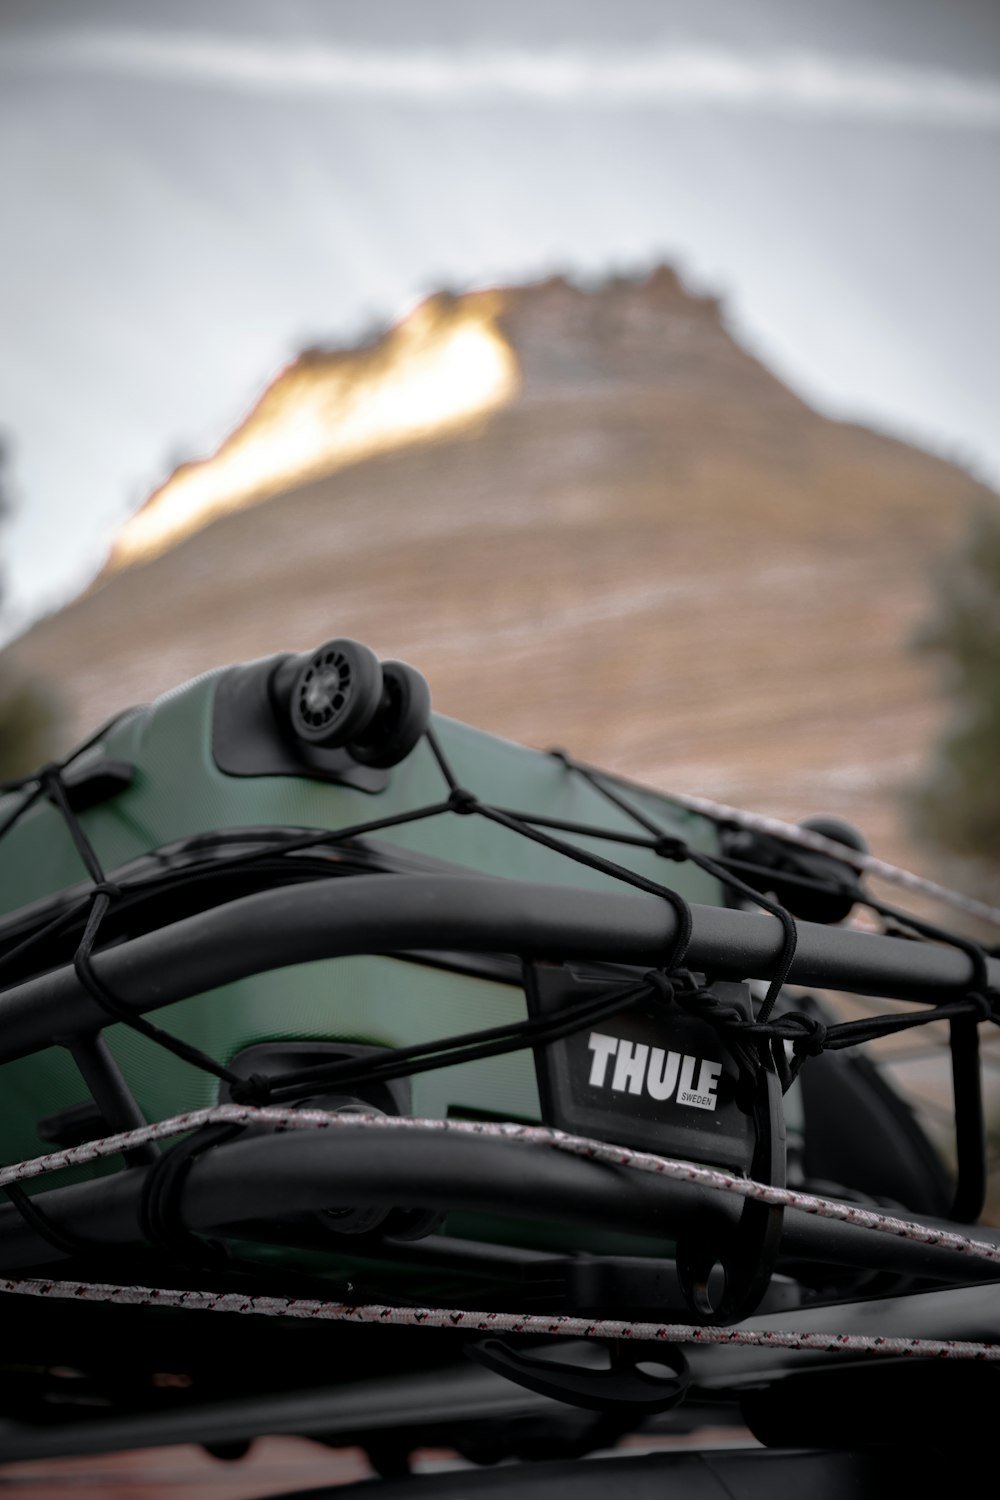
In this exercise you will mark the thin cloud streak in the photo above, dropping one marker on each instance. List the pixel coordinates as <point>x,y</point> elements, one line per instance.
<point>670,77</point>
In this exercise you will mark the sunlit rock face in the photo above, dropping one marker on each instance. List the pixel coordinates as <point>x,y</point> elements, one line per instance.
<point>590,516</point>
<point>452,361</point>
<point>440,368</point>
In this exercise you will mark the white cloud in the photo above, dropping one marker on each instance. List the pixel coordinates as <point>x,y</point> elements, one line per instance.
<point>665,77</point>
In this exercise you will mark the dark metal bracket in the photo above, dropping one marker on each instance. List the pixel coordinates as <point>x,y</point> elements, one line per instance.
<point>623,1385</point>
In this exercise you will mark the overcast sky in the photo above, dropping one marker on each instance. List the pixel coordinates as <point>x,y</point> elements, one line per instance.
<point>190,190</point>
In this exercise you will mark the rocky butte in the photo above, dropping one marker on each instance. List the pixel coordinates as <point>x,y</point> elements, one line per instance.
<point>589,516</point>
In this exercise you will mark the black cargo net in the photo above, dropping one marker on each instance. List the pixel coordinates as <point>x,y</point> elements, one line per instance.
<point>773,1042</point>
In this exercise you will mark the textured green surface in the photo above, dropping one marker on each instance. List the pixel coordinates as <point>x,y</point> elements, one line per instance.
<point>179,792</point>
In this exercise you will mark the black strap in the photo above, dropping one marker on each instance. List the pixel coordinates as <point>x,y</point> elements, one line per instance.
<point>160,1214</point>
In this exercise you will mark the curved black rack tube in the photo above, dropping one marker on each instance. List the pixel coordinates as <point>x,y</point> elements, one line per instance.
<point>388,914</point>
<point>301,1171</point>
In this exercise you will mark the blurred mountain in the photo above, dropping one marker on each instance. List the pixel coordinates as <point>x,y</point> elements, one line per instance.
<point>589,516</point>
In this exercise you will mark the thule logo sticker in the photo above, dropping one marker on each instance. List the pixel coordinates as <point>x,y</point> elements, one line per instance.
<point>640,1069</point>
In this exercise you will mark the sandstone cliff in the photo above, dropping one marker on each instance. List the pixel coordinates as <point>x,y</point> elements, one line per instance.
<point>589,516</point>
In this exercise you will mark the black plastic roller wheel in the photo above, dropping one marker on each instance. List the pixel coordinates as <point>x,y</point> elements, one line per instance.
<point>336,694</point>
<point>403,715</point>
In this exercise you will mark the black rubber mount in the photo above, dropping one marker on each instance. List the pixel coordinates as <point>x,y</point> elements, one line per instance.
<point>252,734</point>
<point>403,714</point>
<point>820,907</point>
<point>837,829</point>
<point>834,885</point>
<point>336,694</point>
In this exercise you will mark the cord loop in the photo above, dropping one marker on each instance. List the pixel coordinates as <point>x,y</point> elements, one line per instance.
<point>661,985</point>
<point>671,848</point>
<point>256,1089</point>
<point>106,888</point>
<point>813,1033</point>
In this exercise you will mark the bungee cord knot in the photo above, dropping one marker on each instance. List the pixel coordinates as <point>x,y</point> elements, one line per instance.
<point>671,848</point>
<point>661,985</point>
<point>984,1004</point>
<point>814,1035</point>
<point>106,888</point>
<point>256,1089</point>
<point>48,775</point>
<point>462,801</point>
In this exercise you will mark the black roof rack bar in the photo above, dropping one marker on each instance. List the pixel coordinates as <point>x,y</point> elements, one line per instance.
<point>385,914</point>
<point>273,1175</point>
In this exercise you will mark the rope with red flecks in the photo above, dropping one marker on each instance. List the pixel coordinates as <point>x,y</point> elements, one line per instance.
<point>496,1322</point>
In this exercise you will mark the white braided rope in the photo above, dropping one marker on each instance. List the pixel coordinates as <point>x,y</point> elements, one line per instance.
<point>867,864</point>
<point>516,1135</point>
<point>537,1324</point>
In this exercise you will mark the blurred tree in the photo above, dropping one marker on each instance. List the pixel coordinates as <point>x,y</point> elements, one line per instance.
<point>29,718</point>
<point>958,806</point>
